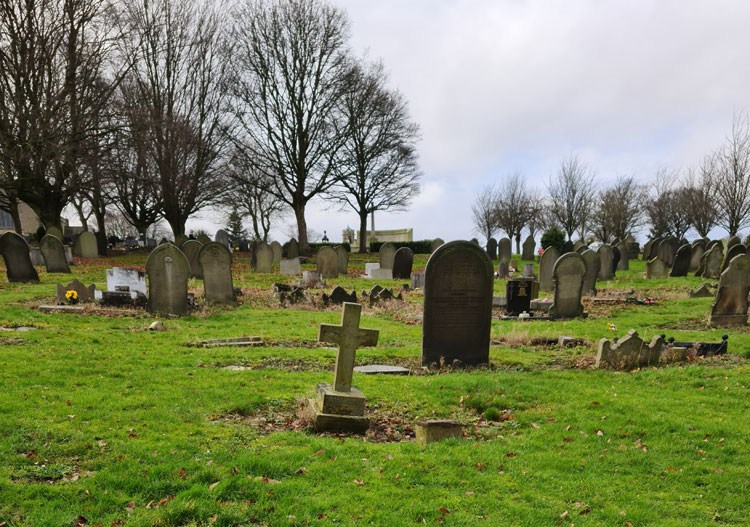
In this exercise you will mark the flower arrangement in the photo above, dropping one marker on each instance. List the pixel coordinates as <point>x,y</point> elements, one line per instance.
<point>612,327</point>
<point>71,296</point>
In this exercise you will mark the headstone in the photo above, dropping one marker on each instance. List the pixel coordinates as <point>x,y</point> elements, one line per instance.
<point>577,245</point>
<point>121,279</point>
<point>168,271</point>
<point>36,256</point>
<point>276,248</point>
<point>342,256</point>
<point>681,262</point>
<point>629,352</point>
<point>101,243</point>
<point>386,255</point>
<point>339,296</point>
<point>666,251</point>
<point>504,250</point>
<point>222,237</point>
<point>622,265</point>
<point>341,406</point>
<point>191,248</point>
<point>434,430</point>
<point>528,270</point>
<point>656,269</point>
<point>730,306</point>
<point>710,244</point>
<point>263,258</point>
<point>381,274</point>
<point>592,262</point>
<point>733,240</point>
<point>647,249</point>
<point>437,242</point>
<point>215,260</point>
<point>457,305</point>
<point>180,240</point>
<point>83,293</point>
<point>581,249</point>
<point>697,251</point>
<point>518,295</point>
<point>492,248</point>
<point>713,258</point>
<point>417,280</point>
<point>203,238</point>
<point>77,245</point>
<point>54,231</point>
<point>292,249</point>
<point>290,267</point>
<point>734,250</point>
<point>54,254</point>
<point>68,250</point>
<point>328,262</point>
<point>705,290</point>
<point>546,264</point>
<point>381,369</point>
<point>503,270</point>
<point>615,259</point>
<point>567,276</point>
<point>606,262</point>
<point>17,258</point>
<point>369,267</point>
<point>402,264</point>
<point>528,248</point>
<point>311,280</point>
<point>243,246</point>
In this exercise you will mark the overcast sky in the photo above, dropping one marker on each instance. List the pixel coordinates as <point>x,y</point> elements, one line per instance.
<point>503,86</point>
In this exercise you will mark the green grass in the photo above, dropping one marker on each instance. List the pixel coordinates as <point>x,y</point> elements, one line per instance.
<point>102,419</point>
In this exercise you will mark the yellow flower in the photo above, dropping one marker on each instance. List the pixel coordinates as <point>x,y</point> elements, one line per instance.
<point>71,295</point>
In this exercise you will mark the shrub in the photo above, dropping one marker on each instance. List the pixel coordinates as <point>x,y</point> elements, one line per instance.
<point>315,247</point>
<point>553,237</point>
<point>491,414</point>
<point>418,247</point>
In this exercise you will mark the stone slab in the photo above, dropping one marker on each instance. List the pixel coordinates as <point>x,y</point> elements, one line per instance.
<point>435,430</point>
<point>330,401</point>
<point>61,309</point>
<point>384,369</point>
<point>337,423</point>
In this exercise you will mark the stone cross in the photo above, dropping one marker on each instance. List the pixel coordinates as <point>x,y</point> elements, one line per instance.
<point>349,336</point>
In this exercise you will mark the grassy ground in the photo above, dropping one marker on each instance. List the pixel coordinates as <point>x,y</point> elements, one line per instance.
<point>104,423</point>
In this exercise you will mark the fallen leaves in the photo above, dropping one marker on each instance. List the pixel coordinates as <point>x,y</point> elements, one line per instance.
<point>358,481</point>
<point>212,486</point>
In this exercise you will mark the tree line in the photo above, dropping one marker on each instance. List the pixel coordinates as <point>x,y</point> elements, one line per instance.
<point>163,108</point>
<point>713,193</point>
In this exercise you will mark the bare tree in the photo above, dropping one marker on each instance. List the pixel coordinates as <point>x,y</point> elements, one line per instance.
<point>537,216</point>
<point>180,53</point>
<point>571,195</point>
<point>620,210</point>
<point>702,211</point>
<point>290,70</point>
<point>731,188</point>
<point>515,206</point>
<point>668,207</point>
<point>377,163</point>
<point>484,211</point>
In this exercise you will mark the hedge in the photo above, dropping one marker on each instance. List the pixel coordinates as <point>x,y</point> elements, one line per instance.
<point>418,247</point>
<point>315,247</point>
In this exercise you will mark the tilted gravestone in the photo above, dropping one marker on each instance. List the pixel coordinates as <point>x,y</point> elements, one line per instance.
<point>577,245</point>
<point>342,255</point>
<point>656,269</point>
<point>89,247</point>
<point>710,244</point>
<point>622,265</point>
<point>697,250</point>
<point>666,251</point>
<point>681,262</point>
<point>83,293</point>
<point>54,231</point>
<point>290,266</point>
<point>567,276</point>
<point>730,306</point>
<point>36,256</point>
<point>457,305</point>
<point>54,254</point>
<point>629,352</point>
<point>734,250</point>
<point>592,262</point>
<point>168,271</point>
<point>386,254</point>
<point>713,257</point>
<point>546,264</point>
<point>528,248</point>
<point>263,258</point>
<point>216,263</point>
<point>492,248</point>
<point>327,262</point>
<point>615,259</point>
<point>15,252</point>
<point>222,237</point>
<point>734,240</point>
<point>402,264</point>
<point>504,250</point>
<point>606,262</point>
<point>191,248</point>
<point>647,249</point>
<point>277,252</point>
<point>292,250</point>
<point>437,242</point>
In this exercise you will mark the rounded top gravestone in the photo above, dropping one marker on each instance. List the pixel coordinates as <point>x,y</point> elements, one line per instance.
<point>342,256</point>
<point>15,252</point>
<point>681,262</point>
<point>89,247</point>
<point>437,242</point>
<point>593,263</point>
<point>277,252</point>
<point>292,249</point>
<point>732,251</point>
<point>504,250</point>
<point>168,271</point>
<point>730,306</point>
<point>697,251</point>
<point>54,231</point>
<point>327,262</point>
<point>457,305</point>
<point>402,264</point>
<point>191,248</point>
<point>527,251</point>
<point>386,254</point>
<point>263,257</point>
<point>492,248</point>
<point>216,262</point>
<point>222,237</point>
<point>53,252</point>
<point>568,275</point>
<point>546,264</point>
<point>606,262</point>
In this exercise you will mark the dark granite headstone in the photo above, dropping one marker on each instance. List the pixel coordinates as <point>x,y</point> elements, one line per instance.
<point>168,271</point>
<point>402,264</point>
<point>84,294</point>
<point>492,248</point>
<point>243,246</point>
<point>518,295</point>
<point>15,252</point>
<point>528,248</point>
<point>681,262</point>
<point>457,305</point>
<point>615,259</point>
<point>54,254</point>
<point>216,264</point>
<point>339,296</point>
<point>101,243</point>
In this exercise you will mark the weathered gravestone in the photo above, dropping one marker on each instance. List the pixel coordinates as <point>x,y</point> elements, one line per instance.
<point>734,250</point>
<point>77,245</point>
<point>417,280</point>
<point>606,262</point>
<point>290,267</point>
<point>656,269</point>
<point>567,276</point>
<point>577,245</point>
<point>647,249</point>
<point>292,250</point>
<point>191,248</point>
<point>386,255</point>
<point>83,293</point>
<point>546,264</point>
<point>263,258</point>
<point>54,254</point>
<point>503,270</point>
<point>203,238</point>
<point>734,240</point>
<point>277,252</point>
<point>697,251</point>
<point>36,256</point>
<point>681,262</point>
<point>730,306</point>
<point>222,237</point>
<point>437,242</point>
<point>615,259</point>
<point>666,251</point>
<point>581,249</point>
<point>624,249</point>
<point>216,263</point>
<point>592,262</point>
<point>629,352</point>
<point>402,264</point>
<point>180,240</point>
<point>492,248</point>
<point>68,250</point>
<point>15,252</point>
<point>504,250</point>
<point>339,295</point>
<point>710,244</point>
<point>342,256</point>
<point>341,406</point>
<point>527,251</point>
<point>89,247</point>
<point>713,258</point>
<point>168,271</point>
<point>54,231</point>
<point>328,262</point>
<point>457,305</point>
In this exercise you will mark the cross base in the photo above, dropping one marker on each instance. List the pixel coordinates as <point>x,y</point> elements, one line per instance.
<point>338,411</point>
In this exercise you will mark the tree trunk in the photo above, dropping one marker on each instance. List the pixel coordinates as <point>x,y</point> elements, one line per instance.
<point>177,225</point>
<point>363,233</point>
<point>50,216</point>
<point>299,213</point>
<point>16,215</point>
<point>518,243</point>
